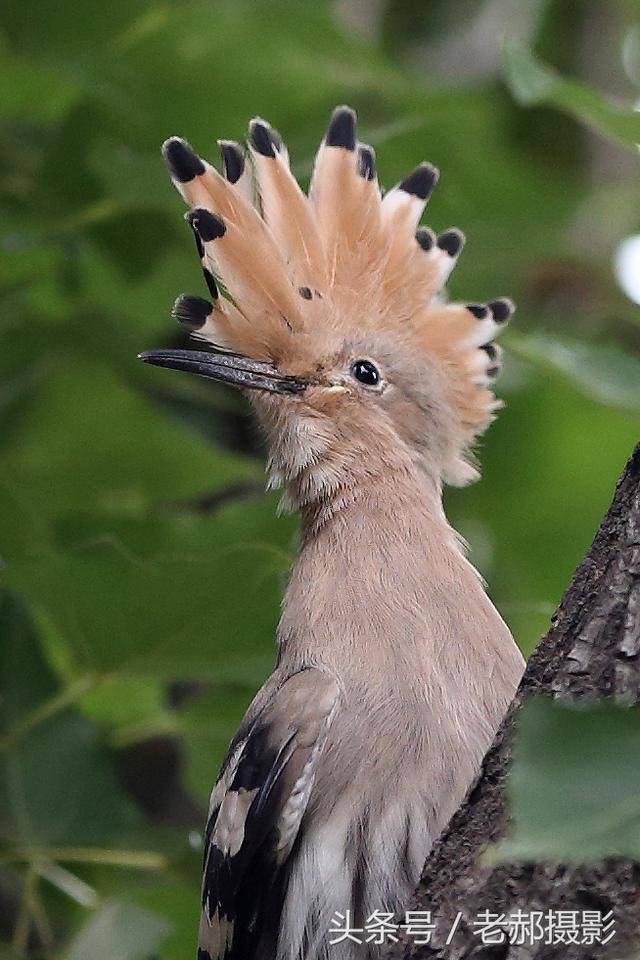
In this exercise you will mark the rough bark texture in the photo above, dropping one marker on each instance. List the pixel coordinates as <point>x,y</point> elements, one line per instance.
<point>591,650</point>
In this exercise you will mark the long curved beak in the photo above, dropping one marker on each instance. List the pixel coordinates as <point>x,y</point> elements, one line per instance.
<point>227,368</point>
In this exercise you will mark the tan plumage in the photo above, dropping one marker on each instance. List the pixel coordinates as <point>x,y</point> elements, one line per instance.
<point>394,669</point>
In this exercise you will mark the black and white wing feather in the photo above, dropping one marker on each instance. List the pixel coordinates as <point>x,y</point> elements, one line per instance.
<point>254,816</point>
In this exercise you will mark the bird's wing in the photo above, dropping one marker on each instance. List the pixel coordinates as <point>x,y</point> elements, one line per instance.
<point>255,812</point>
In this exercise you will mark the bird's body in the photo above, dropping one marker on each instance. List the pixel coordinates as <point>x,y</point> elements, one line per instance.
<point>394,669</point>
<point>406,726</point>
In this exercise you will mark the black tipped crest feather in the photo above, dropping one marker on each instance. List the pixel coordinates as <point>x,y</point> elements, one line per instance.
<point>264,139</point>
<point>426,238</point>
<point>341,131</point>
<point>451,241</point>
<point>502,309</point>
<point>183,162</point>
<point>421,181</point>
<point>366,162</point>
<point>232,159</point>
<point>208,225</point>
<point>191,311</point>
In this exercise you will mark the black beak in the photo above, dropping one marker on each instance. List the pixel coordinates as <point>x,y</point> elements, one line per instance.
<point>226,367</point>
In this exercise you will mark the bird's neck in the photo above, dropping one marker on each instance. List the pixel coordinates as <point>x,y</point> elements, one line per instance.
<point>385,502</point>
<point>371,560</point>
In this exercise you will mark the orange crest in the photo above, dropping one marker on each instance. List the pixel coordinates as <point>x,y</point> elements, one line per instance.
<point>343,259</point>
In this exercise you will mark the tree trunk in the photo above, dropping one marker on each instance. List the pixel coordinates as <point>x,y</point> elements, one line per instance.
<point>591,650</point>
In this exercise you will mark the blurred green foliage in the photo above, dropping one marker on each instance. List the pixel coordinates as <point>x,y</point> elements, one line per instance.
<point>581,811</point>
<point>533,82</point>
<point>142,565</point>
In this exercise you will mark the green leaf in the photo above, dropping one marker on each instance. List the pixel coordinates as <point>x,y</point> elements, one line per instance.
<point>129,708</point>
<point>88,441</point>
<point>199,599</point>
<point>118,931</point>
<point>605,373</point>
<point>59,788</point>
<point>533,82</point>
<point>28,681</point>
<point>28,89</point>
<point>177,898</point>
<point>574,785</point>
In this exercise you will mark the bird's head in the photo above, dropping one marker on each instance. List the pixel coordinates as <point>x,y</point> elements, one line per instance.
<point>327,310</point>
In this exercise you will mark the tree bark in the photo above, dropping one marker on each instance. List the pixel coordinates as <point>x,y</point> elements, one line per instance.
<point>591,650</point>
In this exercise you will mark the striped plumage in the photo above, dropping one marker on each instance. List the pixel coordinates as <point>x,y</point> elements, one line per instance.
<point>394,669</point>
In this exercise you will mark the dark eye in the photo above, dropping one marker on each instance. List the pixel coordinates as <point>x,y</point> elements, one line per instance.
<point>366,372</point>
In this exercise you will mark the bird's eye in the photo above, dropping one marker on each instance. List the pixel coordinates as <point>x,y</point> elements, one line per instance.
<point>366,372</point>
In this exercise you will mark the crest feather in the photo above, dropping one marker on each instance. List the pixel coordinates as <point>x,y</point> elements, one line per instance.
<point>286,209</point>
<point>341,259</point>
<point>336,193</point>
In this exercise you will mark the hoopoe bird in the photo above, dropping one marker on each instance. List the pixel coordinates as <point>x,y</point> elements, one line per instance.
<point>394,669</point>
